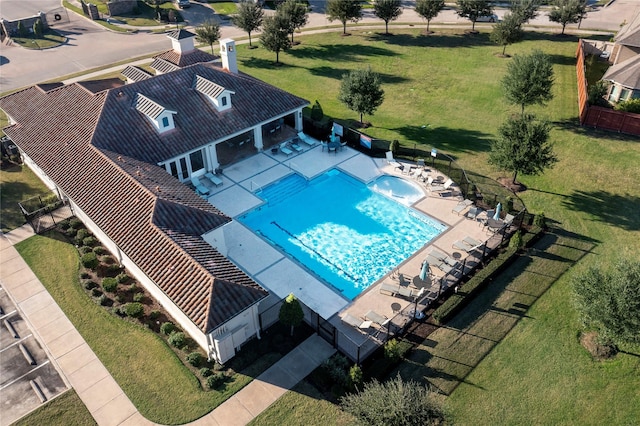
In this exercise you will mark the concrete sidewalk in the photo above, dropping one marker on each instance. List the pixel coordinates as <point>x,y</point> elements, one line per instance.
<point>100,393</point>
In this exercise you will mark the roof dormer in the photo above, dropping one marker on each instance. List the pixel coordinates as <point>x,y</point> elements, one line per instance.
<point>216,94</point>
<point>159,116</point>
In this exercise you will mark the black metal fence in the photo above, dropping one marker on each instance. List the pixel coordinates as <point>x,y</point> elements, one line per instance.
<point>44,212</point>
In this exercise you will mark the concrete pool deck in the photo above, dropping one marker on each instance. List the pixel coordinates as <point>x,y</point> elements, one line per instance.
<point>282,275</point>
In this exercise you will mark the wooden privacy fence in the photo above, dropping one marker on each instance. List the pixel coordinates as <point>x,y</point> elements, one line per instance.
<point>599,117</point>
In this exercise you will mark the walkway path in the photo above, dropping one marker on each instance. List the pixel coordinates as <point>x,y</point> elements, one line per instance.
<point>102,396</point>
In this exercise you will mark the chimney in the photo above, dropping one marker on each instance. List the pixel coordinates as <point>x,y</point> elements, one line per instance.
<point>182,41</point>
<point>228,55</point>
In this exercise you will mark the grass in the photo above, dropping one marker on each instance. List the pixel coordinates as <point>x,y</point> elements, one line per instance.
<point>49,39</point>
<point>133,355</point>
<point>17,183</point>
<point>515,350</point>
<point>224,7</point>
<point>66,409</point>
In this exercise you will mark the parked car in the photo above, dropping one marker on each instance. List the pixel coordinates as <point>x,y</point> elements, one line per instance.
<point>184,4</point>
<point>488,18</point>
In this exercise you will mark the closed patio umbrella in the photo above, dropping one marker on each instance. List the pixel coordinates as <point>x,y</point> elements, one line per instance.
<point>425,271</point>
<point>497,215</point>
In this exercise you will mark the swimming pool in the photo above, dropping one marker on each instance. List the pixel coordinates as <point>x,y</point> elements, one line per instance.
<point>346,233</point>
<point>400,190</point>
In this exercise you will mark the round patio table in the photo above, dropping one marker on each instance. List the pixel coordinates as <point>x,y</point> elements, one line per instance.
<point>395,307</point>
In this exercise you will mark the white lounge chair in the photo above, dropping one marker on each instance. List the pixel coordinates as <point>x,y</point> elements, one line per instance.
<point>357,323</point>
<point>296,147</point>
<point>396,289</point>
<point>285,150</point>
<point>381,320</point>
<point>213,178</point>
<point>473,213</point>
<point>441,188</point>
<point>200,188</point>
<point>468,244</point>
<point>306,139</point>
<point>462,206</point>
<point>393,162</point>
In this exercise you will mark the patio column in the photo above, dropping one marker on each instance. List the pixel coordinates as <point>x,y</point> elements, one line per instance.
<point>298,115</point>
<point>212,157</point>
<point>257,136</point>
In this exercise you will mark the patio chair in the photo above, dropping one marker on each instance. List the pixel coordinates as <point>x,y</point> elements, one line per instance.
<point>285,150</point>
<point>200,188</point>
<point>472,242</point>
<point>462,206</point>
<point>395,290</point>
<point>467,244</point>
<point>393,162</point>
<point>441,188</point>
<point>473,213</point>
<point>213,178</point>
<point>306,139</point>
<point>357,323</point>
<point>443,257</point>
<point>296,147</point>
<point>381,320</point>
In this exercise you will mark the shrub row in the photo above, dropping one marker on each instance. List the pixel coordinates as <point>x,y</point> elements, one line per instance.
<point>468,290</point>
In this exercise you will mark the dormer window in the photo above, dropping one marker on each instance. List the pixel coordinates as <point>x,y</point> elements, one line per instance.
<point>216,94</point>
<point>159,116</point>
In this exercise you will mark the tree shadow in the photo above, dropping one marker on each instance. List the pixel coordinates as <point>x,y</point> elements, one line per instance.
<point>454,141</point>
<point>614,209</point>
<point>448,40</point>
<point>340,52</point>
<point>266,64</point>
<point>338,73</point>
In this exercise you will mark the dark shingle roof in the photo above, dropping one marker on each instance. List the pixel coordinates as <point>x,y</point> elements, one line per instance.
<point>197,121</point>
<point>163,65</point>
<point>626,73</point>
<point>142,208</point>
<point>180,34</point>
<point>629,35</point>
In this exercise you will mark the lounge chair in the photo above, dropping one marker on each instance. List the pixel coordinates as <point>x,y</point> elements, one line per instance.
<point>357,322</point>
<point>296,147</point>
<point>213,178</point>
<point>472,242</point>
<point>393,162</point>
<point>381,320</point>
<point>441,188</point>
<point>443,257</point>
<point>200,188</point>
<point>473,213</point>
<point>396,289</point>
<point>306,139</point>
<point>462,206</point>
<point>285,150</point>
<point>468,244</point>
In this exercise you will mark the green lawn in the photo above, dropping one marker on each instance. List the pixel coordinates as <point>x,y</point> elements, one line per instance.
<point>151,375</point>
<point>49,39</point>
<point>66,409</point>
<point>17,183</point>
<point>515,349</point>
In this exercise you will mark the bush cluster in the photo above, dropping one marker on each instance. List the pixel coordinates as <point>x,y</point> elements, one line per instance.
<point>99,250</point>
<point>81,235</point>
<point>215,381</point>
<point>177,339</point>
<point>89,260</point>
<point>89,241</point>
<point>89,285</point>
<point>134,310</point>
<point>337,368</point>
<point>167,328</point>
<point>109,284</point>
<point>122,278</point>
<point>195,359</point>
<point>76,223</point>
<point>138,297</point>
<point>206,372</point>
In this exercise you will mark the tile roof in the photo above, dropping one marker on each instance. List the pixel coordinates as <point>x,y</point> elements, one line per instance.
<point>180,34</point>
<point>95,86</point>
<point>147,106</point>
<point>134,73</point>
<point>142,208</point>
<point>185,59</point>
<point>197,121</point>
<point>163,65</point>
<point>208,87</point>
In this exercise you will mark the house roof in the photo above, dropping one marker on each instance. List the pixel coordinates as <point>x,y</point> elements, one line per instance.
<point>163,65</point>
<point>626,73</point>
<point>180,34</point>
<point>152,217</point>
<point>197,121</point>
<point>134,73</point>
<point>629,35</point>
<point>185,59</point>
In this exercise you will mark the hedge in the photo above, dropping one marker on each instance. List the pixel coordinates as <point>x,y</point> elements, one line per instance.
<point>469,289</point>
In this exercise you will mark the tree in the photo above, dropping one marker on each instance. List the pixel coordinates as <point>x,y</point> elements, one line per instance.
<point>473,9</point>
<point>249,17</point>
<point>507,31</point>
<point>343,11</point>
<point>523,146</point>
<point>387,10</point>
<point>429,9</point>
<point>360,91</point>
<point>394,403</point>
<point>209,33</point>
<point>295,13</point>
<point>525,10</point>
<point>529,79</point>
<point>609,300</point>
<point>291,312</point>
<point>567,12</point>
<point>275,35</point>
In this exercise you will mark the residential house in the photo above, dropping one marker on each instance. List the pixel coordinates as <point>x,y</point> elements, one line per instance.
<point>122,156</point>
<point>624,73</point>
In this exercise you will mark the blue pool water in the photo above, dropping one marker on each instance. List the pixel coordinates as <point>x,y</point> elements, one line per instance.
<point>345,232</point>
